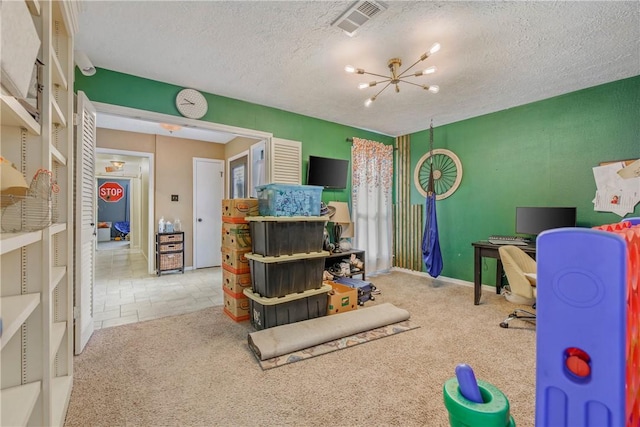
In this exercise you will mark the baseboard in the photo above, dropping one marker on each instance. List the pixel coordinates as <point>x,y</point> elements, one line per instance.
<point>451,280</point>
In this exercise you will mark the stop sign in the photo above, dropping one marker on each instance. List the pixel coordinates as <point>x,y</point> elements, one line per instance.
<point>111,192</point>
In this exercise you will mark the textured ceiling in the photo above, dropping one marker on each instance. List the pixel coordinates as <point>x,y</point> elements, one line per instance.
<point>495,55</point>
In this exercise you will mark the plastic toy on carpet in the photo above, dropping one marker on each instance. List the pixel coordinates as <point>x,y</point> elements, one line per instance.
<point>473,403</point>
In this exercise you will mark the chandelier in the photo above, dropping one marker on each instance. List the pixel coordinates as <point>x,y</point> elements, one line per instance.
<point>398,76</point>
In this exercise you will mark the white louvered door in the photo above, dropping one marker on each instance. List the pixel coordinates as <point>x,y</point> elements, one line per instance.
<point>285,161</point>
<point>85,221</point>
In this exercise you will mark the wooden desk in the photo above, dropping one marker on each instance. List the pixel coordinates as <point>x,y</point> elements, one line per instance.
<point>485,249</point>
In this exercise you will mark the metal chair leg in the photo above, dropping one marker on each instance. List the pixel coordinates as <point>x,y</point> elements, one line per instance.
<point>520,314</point>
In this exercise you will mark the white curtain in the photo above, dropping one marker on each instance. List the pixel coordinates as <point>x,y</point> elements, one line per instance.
<point>372,177</point>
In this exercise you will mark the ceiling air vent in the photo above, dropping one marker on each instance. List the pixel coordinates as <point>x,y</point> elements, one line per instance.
<point>358,14</point>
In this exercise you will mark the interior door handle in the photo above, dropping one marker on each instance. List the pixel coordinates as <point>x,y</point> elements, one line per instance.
<point>199,219</point>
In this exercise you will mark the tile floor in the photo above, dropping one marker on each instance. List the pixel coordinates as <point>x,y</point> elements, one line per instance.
<point>124,292</point>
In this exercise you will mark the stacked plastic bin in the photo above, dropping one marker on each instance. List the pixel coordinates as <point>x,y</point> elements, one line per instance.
<point>286,260</point>
<point>236,243</point>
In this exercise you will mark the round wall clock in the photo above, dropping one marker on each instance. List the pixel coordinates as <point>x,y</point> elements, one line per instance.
<point>191,103</point>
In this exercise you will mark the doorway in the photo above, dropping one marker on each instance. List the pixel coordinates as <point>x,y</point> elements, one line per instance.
<point>121,271</point>
<point>138,170</point>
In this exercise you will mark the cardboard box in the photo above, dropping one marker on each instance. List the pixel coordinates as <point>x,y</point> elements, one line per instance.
<point>236,308</point>
<point>234,210</point>
<point>236,236</point>
<point>235,283</point>
<point>234,260</point>
<point>342,298</point>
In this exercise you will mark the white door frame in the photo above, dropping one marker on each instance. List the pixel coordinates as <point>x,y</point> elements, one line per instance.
<point>177,120</point>
<point>151,250</point>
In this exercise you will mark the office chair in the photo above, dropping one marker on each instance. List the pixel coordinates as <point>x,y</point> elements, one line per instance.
<point>520,269</point>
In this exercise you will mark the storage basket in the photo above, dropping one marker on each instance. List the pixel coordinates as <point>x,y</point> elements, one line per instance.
<point>170,238</point>
<point>33,211</point>
<point>171,261</point>
<point>171,247</point>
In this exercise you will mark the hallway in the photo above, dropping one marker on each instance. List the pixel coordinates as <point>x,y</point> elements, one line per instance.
<point>124,292</point>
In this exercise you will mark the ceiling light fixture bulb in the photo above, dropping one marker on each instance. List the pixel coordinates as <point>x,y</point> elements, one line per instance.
<point>434,48</point>
<point>433,88</point>
<point>351,69</point>
<point>430,70</point>
<point>369,101</point>
<point>366,85</point>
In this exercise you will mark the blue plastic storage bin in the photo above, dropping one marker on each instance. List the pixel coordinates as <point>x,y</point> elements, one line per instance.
<point>289,200</point>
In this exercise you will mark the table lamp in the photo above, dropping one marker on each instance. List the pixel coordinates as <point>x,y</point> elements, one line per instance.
<point>342,226</point>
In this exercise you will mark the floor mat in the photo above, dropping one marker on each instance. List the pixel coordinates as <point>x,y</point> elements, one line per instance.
<point>338,344</point>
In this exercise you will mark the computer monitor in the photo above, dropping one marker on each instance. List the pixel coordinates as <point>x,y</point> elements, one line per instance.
<point>535,220</point>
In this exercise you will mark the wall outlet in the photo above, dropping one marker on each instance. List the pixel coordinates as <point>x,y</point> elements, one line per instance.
<point>174,197</point>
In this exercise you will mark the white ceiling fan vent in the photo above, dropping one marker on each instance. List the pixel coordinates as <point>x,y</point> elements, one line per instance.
<point>358,14</point>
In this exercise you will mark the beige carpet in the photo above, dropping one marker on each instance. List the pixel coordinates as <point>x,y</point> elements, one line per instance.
<point>197,369</point>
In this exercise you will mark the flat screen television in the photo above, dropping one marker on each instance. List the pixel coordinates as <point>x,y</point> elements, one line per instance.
<point>327,172</point>
<point>535,220</point>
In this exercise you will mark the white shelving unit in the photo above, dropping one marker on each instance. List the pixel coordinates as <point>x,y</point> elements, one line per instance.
<point>36,291</point>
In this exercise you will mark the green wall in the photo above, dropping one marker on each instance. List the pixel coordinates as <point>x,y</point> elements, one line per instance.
<point>319,137</point>
<point>539,154</point>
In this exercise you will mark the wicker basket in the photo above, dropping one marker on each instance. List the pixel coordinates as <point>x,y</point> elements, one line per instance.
<point>171,261</point>
<point>171,248</point>
<point>170,238</point>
